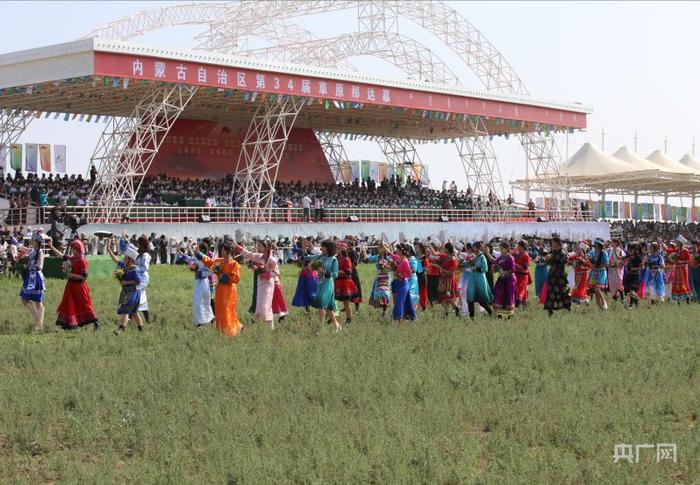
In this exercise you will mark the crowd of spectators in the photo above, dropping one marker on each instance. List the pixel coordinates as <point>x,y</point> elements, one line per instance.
<point>653,230</point>
<point>162,190</point>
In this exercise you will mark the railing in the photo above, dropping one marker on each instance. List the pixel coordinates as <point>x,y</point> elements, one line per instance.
<point>167,214</point>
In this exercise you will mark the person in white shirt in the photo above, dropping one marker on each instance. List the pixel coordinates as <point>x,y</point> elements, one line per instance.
<point>317,209</point>
<point>306,205</point>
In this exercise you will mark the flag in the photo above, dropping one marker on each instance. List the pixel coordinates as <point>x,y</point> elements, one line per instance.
<point>30,162</point>
<point>59,154</point>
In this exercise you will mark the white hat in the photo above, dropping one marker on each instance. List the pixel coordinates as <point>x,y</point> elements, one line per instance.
<point>131,252</point>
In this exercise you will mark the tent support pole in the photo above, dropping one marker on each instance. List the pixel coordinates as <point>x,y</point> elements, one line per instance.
<point>634,208</point>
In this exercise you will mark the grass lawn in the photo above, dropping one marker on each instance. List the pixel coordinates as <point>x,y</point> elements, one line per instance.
<point>442,400</point>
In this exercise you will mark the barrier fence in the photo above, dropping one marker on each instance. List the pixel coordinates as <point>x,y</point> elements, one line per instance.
<point>172,214</point>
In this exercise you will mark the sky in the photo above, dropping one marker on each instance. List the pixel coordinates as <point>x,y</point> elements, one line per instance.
<point>637,64</point>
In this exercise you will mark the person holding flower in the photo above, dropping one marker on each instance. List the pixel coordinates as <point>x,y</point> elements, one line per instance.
<point>129,277</point>
<point>75,309</point>
<point>327,267</point>
<point>33,287</point>
<point>269,267</point>
<point>228,273</point>
<point>202,309</point>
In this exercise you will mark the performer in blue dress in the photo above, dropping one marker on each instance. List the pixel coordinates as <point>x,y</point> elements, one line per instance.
<point>129,277</point>
<point>325,291</point>
<point>655,278</point>
<point>32,293</point>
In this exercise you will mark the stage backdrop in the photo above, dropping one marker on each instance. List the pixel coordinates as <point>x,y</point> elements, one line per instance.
<point>208,149</point>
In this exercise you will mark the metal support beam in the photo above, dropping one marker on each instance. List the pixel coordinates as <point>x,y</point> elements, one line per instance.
<point>261,154</point>
<point>13,122</point>
<point>479,159</point>
<point>335,155</point>
<point>542,159</point>
<point>128,146</point>
<point>402,152</point>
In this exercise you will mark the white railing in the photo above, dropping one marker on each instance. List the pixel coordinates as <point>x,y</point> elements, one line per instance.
<point>174,214</point>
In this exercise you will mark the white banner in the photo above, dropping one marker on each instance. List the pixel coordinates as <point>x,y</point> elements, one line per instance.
<point>59,157</point>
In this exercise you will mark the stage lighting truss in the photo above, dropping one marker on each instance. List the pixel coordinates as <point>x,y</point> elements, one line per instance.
<point>13,122</point>
<point>261,154</point>
<point>230,25</point>
<point>335,154</point>
<point>128,146</point>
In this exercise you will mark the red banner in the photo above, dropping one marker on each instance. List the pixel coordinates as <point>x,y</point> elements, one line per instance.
<point>207,149</point>
<point>226,77</point>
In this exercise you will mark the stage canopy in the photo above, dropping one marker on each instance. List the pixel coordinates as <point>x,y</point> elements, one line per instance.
<point>624,173</point>
<point>100,78</point>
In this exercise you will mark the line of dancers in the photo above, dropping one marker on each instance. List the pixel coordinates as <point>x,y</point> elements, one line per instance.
<point>460,278</point>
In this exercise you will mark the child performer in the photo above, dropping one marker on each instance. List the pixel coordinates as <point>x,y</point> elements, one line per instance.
<point>129,276</point>
<point>32,293</point>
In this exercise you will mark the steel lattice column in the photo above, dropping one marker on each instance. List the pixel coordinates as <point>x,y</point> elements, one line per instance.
<point>335,155</point>
<point>261,154</point>
<point>401,151</point>
<point>13,122</point>
<point>128,146</point>
<point>543,158</point>
<point>479,159</point>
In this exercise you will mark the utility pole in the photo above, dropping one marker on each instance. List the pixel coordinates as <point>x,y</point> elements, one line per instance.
<point>665,145</point>
<point>602,139</point>
<point>636,138</point>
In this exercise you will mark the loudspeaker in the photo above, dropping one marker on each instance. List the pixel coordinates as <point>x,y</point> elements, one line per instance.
<point>353,219</point>
<point>203,218</point>
<point>444,219</point>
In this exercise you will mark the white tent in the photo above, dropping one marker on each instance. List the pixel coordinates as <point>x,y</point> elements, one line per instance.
<point>691,162</point>
<point>627,155</point>
<point>668,165</point>
<point>589,161</point>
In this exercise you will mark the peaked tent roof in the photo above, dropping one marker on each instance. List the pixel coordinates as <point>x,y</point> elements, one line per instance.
<point>666,164</point>
<point>627,155</point>
<point>690,161</point>
<point>590,161</point>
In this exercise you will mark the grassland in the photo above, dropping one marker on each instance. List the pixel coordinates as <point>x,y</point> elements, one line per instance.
<point>529,400</point>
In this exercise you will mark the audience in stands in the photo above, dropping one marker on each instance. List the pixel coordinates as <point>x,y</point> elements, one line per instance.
<point>162,190</point>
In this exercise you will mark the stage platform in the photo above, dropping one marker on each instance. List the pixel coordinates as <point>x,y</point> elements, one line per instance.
<point>390,231</point>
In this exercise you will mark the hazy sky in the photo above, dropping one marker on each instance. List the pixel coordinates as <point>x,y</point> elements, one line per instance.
<point>636,63</point>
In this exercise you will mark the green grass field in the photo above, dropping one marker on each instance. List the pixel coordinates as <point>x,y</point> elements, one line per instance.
<point>529,400</point>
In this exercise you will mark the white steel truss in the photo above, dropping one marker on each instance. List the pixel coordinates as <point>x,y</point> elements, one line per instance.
<point>128,146</point>
<point>231,23</point>
<point>543,158</point>
<point>261,154</point>
<point>479,159</point>
<point>400,151</point>
<point>336,156</point>
<point>13,122</point>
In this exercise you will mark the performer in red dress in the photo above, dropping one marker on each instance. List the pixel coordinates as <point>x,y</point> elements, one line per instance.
<point>680,284</point>
<point>75,309</point>
<point>448,287</point>
<point>522,274</point>
<point>345,288</point>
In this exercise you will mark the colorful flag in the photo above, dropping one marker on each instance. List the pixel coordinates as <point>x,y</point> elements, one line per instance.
<point>59,157</point>
<point>45,157</point>
<point>30,162</point>
<point>16,157</point>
